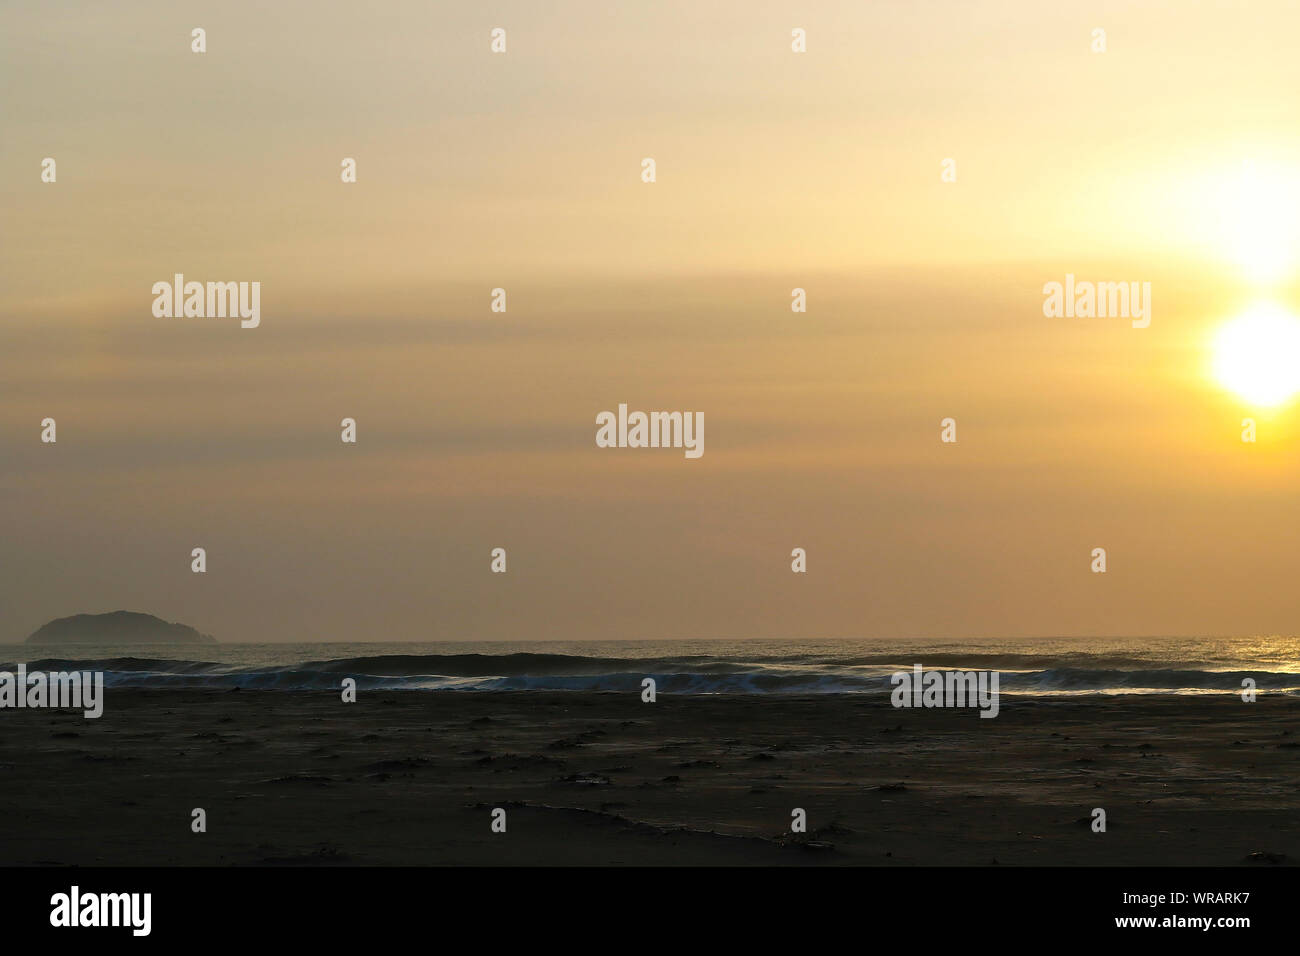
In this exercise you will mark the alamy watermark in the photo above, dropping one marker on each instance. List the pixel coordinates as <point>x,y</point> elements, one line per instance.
<point>75,908</point>
<point>651,430</point>
<point>212,300</point>
<point>75,690</point>
<point>922,688</point>
<point>1103,300</point>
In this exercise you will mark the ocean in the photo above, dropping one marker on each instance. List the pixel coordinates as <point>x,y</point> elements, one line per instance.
<point>1039,666</point>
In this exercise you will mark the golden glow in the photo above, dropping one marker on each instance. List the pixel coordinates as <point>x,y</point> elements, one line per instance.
<point>1261,221</point>
<point>1257,355</point>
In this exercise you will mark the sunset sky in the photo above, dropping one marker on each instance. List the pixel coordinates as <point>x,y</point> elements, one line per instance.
<point>1172,158</point>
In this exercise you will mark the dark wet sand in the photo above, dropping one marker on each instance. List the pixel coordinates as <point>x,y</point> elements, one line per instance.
<point>411,778</point>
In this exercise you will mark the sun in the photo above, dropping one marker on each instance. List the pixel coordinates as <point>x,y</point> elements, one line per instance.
<point>1257,355</point>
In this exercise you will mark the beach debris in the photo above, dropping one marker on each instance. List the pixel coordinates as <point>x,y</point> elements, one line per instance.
<point>1263,856</point>
<point>325,853</point>
<point>586,779</point>
<point>315,779</point>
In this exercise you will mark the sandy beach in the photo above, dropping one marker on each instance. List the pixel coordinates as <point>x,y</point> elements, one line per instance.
<point>602,778</point>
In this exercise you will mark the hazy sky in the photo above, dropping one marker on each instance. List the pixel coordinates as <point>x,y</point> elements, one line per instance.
<point>775,170</point>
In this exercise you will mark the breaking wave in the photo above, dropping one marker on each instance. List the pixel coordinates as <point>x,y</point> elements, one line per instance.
<point>684,674</point>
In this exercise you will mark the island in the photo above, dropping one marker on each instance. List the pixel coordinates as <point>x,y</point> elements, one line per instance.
<point>116,627</point>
